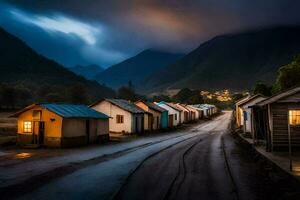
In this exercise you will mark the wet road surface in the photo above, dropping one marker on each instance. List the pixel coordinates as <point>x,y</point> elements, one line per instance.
<point>102,179</point>
<point>204,163</point>
<point>211,166</point>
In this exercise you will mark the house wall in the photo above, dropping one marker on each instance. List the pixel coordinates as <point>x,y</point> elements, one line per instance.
<point>156,123</point>
<point>279,114</point>
<point>137,122</point>
<point>74,131</point>
<point>164,120</point>
<point>249,121</point>
<point>171,111</point>
<point>112,111</point>
<point>147,122</point>
<point>52,129</point>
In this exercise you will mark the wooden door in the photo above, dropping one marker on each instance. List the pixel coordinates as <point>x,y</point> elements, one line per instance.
<point>170,121</point>
<point>87,129</point>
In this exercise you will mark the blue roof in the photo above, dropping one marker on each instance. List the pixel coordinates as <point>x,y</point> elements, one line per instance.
<point>73,111</point>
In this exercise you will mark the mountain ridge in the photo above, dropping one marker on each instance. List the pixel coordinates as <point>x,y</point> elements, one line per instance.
<point>231,61</point>
<point>88,71</point>
<point>22,67</point>
<point>136,68</point>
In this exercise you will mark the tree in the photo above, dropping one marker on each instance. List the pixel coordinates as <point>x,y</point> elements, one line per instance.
<point>183,95</point>
<point>195,99</point>
<point>77,94</point>
<point>237,96</point>
<point>261,88</point>
<point>161,97</point>
<point>127,93</point>
<point>289,75</point>
<point>188,96</point>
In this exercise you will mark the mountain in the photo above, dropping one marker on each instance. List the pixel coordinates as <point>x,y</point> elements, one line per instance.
<point>40,78</point>
<point>234,61</point>
<point>87,72</point>
<point>136,68</point>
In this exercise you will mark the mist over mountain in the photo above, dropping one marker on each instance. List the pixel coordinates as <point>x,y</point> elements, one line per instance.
<point>234,61</point>
<point>136,68</point>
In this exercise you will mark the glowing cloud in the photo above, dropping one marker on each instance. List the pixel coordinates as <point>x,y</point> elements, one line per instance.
<point>61,24</point>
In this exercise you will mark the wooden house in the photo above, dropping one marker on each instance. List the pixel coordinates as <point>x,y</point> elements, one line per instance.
<point>194,113</point>
<point>247,112</point>
<point>184,113</point>
<point>207,111</point>
<point>239,118</point>
<point>60,125</point>
<point>278,117</point>
<point>125,116</point>
<point>173,113</point>
<point>199,110</point>
<point>160,115</point>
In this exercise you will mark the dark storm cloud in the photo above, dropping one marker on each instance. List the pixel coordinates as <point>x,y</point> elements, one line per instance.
<point>113,30</point>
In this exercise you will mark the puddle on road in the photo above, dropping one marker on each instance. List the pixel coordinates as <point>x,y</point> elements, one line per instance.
<point>23,155</point>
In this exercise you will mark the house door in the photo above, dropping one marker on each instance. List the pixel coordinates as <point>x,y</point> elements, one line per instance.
<point>143,124</point>
<point>41,132</point>
<point>35,132</point>
<point>157,123</point>
<point>87,130</point>
<point>136,125</point>
<point>170,121</point>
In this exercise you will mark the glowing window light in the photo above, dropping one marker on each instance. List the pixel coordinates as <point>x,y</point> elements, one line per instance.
<point>27,127</point>
<point>294,117</point>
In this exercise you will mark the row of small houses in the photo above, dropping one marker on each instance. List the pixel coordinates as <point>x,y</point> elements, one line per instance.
<point>274,120</point>
<point>67,125</point>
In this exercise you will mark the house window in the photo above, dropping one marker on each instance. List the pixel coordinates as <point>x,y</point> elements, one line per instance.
<point>36,115</point>
<point>294,117</point>
<point>175,116</point>
<point>120,119</point>
<point>27,127</point>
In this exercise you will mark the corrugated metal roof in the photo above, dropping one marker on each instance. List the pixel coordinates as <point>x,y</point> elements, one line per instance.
<point>126,105</point>
<point>279,96</point>
<point>172,105</point>
<point>67,110</point>
<point>155,107</point>
<point>73,111</point>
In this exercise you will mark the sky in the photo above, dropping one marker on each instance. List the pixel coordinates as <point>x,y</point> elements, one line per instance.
<point>105,32</point>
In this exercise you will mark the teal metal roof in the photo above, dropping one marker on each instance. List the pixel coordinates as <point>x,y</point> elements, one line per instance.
<point>126,105</point>
<point>73,111</point>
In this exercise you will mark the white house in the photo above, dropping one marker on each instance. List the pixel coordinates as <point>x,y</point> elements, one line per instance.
<point>247,112</point>
<point>173,113</point>
<point>125,117</point>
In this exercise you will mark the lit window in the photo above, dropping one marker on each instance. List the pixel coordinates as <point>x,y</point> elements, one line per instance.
<point>120,119</point>
<point>294,117</point>
<point>27,126</point>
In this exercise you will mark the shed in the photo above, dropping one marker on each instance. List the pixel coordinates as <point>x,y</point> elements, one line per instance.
<point>280,113</point>
<point>61,125</point>
<point>239,118</point>
<point>247,112</point>
<point>125,116</point>
<point>160,115</point>
<point>173,113</point>
<point>183,112</point>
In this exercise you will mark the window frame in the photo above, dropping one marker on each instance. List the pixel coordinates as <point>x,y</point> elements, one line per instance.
<point>120,119</point>
<point>296,115</point>
<point>25,128</point>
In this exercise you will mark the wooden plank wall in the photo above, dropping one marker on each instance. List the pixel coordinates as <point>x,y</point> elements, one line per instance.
<point>280,126</point>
